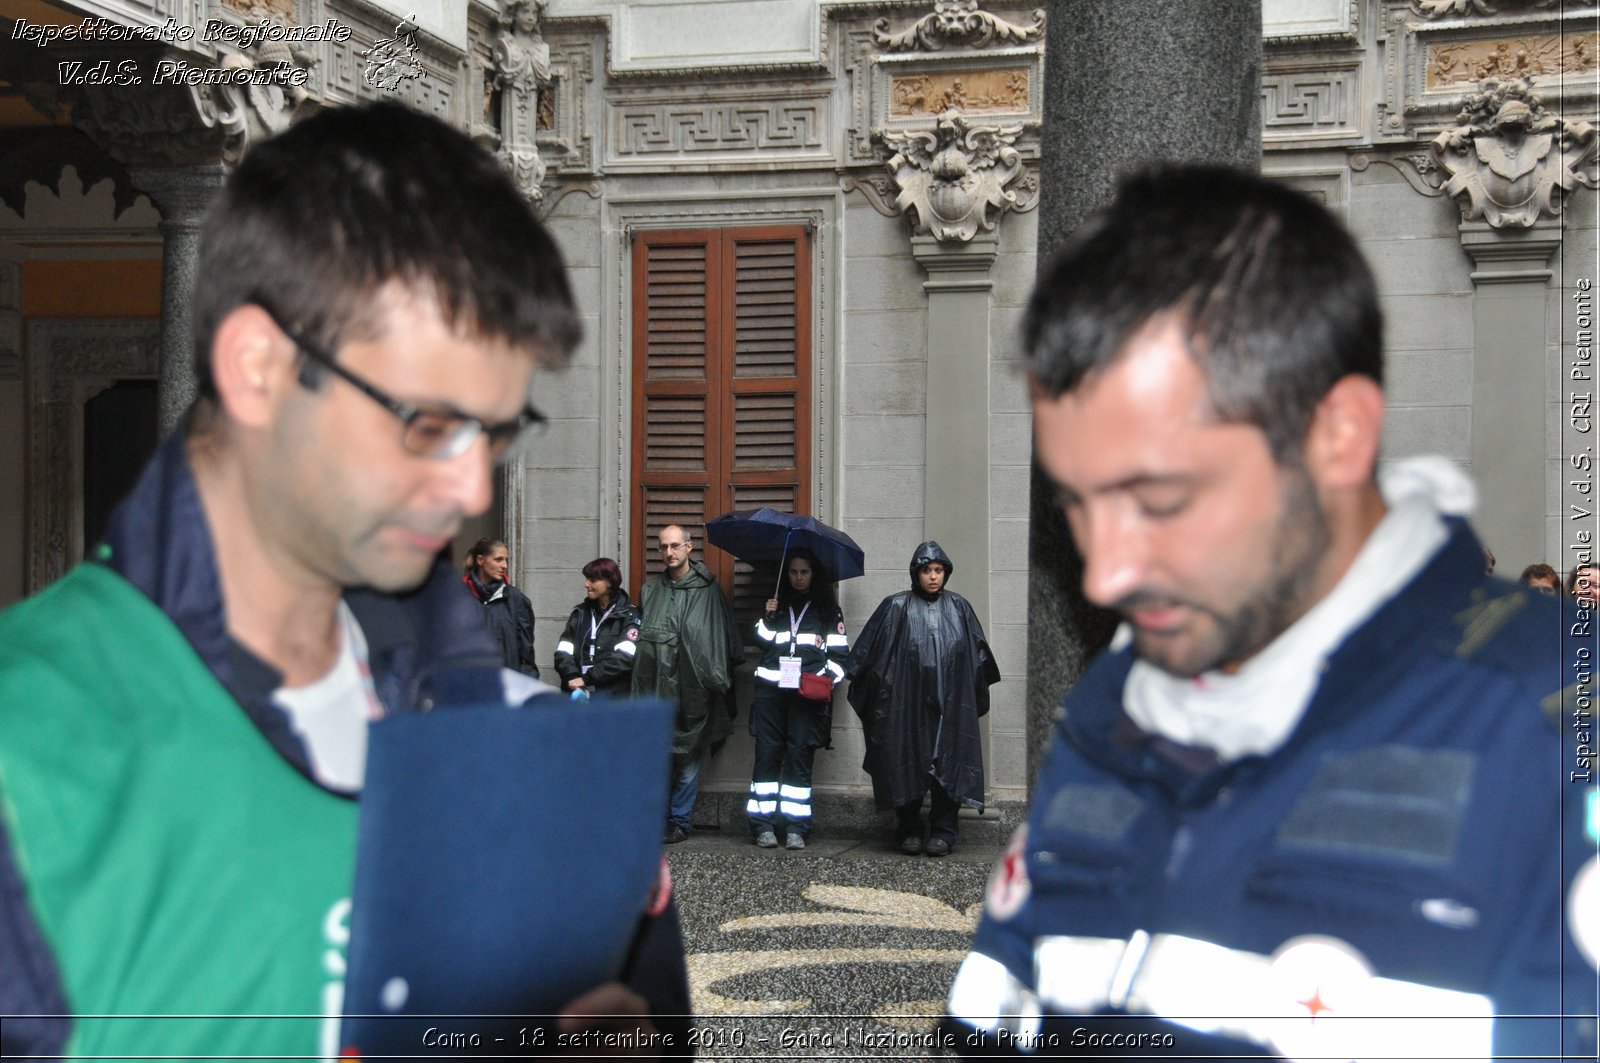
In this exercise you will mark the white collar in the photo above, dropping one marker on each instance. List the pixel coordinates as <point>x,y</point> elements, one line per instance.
<point>1253,710</point>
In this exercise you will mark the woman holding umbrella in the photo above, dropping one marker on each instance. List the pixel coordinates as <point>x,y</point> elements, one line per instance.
<point>791,714</point>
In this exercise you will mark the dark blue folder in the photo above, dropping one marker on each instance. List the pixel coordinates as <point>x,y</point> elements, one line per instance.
<point>505,857</point>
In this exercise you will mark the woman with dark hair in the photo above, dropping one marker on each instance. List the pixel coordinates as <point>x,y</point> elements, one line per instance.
<point>791,714</point>
<point>506,610</point>
<point>597,646</point>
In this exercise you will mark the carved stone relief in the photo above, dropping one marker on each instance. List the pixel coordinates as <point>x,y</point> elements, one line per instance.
<point>1429,64</point>
<point>990,91</point>
<point>68,363</point>
<point>1509,160</point>
<point>957,178</point>
<point>904,92</point>
<point>957,22</point>
<point>1469,62</point>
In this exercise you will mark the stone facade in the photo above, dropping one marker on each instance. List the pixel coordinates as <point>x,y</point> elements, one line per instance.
<point>904,137</point>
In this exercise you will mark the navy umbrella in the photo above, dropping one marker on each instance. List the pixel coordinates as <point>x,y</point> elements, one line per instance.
<point>767,534</point>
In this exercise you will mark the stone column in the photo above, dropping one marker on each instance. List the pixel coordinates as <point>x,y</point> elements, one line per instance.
<point>182,193</point>
<point>957,464</point>
<point>1510,278</point>
<point>1126,82</point>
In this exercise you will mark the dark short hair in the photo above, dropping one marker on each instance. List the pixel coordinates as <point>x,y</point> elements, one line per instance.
<point>315,221</point>
<point>1276,302</point>
<point>606,569</point>
<point>1539,570</point>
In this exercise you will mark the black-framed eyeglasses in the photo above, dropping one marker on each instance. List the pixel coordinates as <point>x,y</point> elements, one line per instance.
<point>438,434</point>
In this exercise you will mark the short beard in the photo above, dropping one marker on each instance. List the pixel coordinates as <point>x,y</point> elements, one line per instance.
<point>1299,542</point>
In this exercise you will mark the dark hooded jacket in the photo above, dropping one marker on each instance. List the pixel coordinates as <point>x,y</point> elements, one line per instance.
<point>920,673</point>
<point>508,615</point>
<point>687,648</point>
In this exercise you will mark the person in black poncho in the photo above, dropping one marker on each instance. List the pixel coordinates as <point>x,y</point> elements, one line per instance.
<point>919,676</point>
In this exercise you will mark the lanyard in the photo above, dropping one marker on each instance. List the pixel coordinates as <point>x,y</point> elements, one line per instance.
<point>594,627</point>
<point>794,629</point>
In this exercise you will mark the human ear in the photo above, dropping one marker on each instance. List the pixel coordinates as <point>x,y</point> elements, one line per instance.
<point>252,362</point>
<point>1342,444</point>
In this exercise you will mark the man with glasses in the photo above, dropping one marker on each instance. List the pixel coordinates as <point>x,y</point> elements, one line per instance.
<point>688,647</point>
<point>183,719</point>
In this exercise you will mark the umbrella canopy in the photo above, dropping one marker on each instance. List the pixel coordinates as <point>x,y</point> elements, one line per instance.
<point>769,534</point>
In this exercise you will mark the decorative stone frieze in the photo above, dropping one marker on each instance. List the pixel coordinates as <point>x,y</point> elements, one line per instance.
<point>520,61</point>
<point>958,22</point>
<point>1462,8</point>
<point>1429,63</point>
<point>1509,160</point>
<point>1312,103</point>
<point>958,177</point>
<point>1462,63</point>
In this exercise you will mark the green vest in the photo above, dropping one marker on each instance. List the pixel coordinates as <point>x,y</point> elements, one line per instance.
<point>192,885</point>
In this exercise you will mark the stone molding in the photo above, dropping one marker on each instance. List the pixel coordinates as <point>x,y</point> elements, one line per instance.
<point>68,363</point>
<point>1509,160</point>
<point>1516,256</point>
<point>1345,30</point>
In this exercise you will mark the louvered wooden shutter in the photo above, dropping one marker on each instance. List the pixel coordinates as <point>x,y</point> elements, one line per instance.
<point>722,403</point>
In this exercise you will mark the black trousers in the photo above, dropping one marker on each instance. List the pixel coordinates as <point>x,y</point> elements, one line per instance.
<point>941,814</point>
<point>787,729</point>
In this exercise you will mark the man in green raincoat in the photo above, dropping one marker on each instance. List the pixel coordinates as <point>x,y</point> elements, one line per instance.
<point>688,647</point>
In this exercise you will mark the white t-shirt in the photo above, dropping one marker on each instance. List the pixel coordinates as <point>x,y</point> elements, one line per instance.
<point>331,714</point>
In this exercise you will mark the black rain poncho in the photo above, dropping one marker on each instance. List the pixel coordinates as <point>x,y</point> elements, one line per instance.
<point>920,673</point>
<point>688,647</point>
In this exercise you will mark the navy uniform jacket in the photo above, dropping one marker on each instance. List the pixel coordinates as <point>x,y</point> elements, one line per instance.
<point>427,649</point>
<point>1408,852</point>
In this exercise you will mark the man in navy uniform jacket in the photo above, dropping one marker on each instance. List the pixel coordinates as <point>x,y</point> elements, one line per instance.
<point>1315,802</point>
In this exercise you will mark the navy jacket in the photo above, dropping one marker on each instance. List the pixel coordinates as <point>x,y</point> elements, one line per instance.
<point>427,648</point>
<point>1410,847</point>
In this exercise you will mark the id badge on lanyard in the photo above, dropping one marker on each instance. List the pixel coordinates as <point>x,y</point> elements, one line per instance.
<point>789,667</point>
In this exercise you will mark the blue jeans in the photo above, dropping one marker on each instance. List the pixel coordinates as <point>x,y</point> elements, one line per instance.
<point>685,788</point>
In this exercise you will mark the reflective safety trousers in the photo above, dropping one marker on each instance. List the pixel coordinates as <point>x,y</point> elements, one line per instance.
<point>1392,883</point>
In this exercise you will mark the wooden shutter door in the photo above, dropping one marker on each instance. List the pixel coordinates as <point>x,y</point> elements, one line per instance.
<point>768,399</point>
<point>677,416</point>
<point>722,401</point>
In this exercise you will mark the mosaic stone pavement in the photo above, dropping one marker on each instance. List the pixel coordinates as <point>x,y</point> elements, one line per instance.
<point>844,950</point>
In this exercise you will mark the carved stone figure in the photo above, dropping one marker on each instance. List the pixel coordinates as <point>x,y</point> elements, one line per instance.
<point>959,21</point>
<point>520,75</point>
<point>1509,159</point>
<point>953,180</point>
<point>521,56</point>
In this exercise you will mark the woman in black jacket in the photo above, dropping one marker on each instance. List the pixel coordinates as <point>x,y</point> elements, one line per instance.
<point>597,646</point>
<point>506,611</point>
<point>792,711</point>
